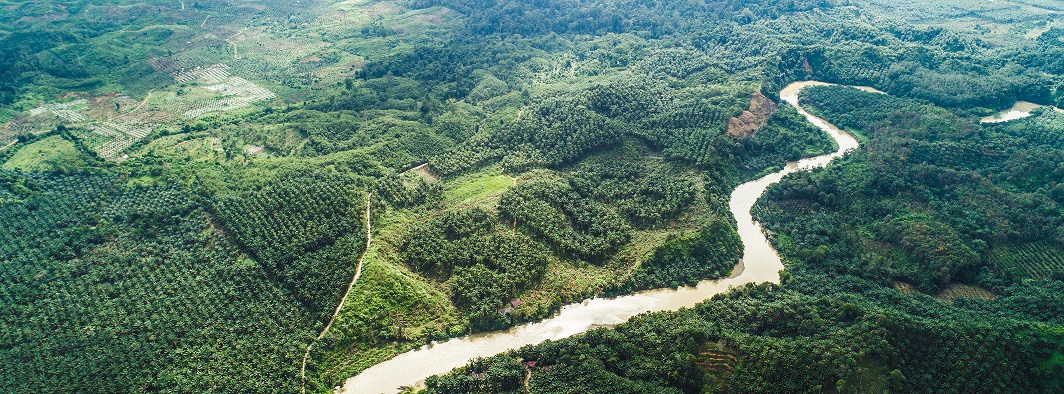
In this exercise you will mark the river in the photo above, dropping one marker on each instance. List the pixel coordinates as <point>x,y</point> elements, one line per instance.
<point>760,263</point>
<point>1021,109</point>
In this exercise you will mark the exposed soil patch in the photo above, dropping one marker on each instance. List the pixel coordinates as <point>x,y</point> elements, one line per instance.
<point>425,172</point>
<point>752,119</point>
<point>905,288</point>
<point>433,18</point>
<point>958,290</point>
<point>383,7</point>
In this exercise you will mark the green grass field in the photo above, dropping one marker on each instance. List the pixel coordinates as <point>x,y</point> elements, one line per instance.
<point>478,189</point>
<point>390,309</point>
<point>43,155</point>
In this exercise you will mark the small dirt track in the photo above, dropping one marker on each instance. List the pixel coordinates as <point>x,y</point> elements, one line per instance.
<point>358,273</point>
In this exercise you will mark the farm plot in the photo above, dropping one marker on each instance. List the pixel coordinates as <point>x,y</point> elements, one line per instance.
<point>958,290</point>
<point>111,137</point>
<point>1035,259</point>
<point>116,123</point>
<point>272,57</point>
<point>62,110</point>
<point>237,93</point>
<point>212,74</point>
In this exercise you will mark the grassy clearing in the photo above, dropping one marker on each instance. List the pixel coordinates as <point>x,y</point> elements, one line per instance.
<point>44,155</point>
<point>478,189</point>
<point>184,147</point>
<point>642,245</point>
<point>564,282</point>
<point>390,310</point>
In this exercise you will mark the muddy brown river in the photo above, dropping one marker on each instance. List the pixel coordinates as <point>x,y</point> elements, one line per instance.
<point>760,263</point>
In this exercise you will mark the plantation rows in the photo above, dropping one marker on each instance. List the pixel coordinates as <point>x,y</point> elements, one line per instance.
<point>70,115</point>
<point>117,134</point>
<point>122,262</point>
<point>334,27</point>
<point>239,93</point>
<point>307,230</point>
<point>647,196</point>
<point>21,224</point>
<point>115,146</point>
<point>710,253</point>
<point>678,63</point>
<point>73,199</point>
<point>113,136</point>
<point>275,57</point>
<point>1036,259</point>
<point>123,287</point>
<point>573,225</point>
<point>290,213</point>
<point>559,130</point>
<point>60,112</point>
<point>984,11</point>
<point>132,128</point>
<point>55,107</point>
<point>212,74</point>
<point>484,266</point>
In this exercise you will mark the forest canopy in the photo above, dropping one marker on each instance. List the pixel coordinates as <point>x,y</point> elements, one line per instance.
<point>272,196</point>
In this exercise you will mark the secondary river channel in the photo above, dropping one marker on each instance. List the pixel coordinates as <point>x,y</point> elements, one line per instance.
<point>760,263</point>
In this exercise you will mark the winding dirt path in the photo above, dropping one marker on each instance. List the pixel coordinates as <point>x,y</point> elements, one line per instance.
<point>142,102</point>
<point>358,273</point>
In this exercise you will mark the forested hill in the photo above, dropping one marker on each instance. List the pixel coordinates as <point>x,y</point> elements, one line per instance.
<point>581,17</point>
<point>927,261</point>
<point>183,188</point>
<point>831,41</point>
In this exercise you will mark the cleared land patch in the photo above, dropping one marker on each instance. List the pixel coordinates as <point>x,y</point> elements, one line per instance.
<point>42,155</point>
<point>957,290</point>
<point>481,188</point>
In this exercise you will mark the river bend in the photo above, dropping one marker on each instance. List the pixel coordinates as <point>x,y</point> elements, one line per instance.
<point>760,263</point>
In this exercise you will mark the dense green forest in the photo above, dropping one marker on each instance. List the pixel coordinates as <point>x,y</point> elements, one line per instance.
<point>816,335</point>
<point>183,185</point>
<point>117,286</point>
<point>930,200</point>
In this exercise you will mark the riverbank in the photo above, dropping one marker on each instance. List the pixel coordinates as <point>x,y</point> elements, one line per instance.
<point>760,263</point>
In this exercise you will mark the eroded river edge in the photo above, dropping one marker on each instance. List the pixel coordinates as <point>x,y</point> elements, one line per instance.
<point>760,263</point>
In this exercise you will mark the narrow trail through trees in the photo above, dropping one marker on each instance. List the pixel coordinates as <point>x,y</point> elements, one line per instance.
<point>358,273</point>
